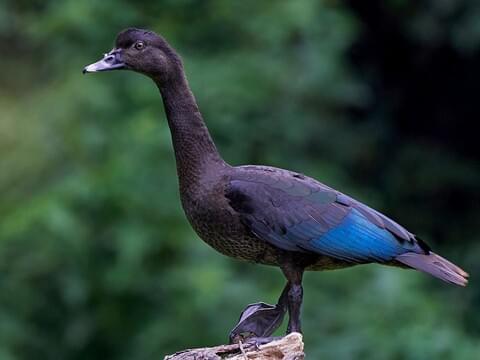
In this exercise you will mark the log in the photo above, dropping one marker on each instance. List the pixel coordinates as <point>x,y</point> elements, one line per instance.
<point>289,347</point>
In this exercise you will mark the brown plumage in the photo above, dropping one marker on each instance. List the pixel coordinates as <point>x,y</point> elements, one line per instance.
<point>263,214</point>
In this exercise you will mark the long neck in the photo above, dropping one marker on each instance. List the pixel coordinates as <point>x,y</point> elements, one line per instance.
<point>194,149</point>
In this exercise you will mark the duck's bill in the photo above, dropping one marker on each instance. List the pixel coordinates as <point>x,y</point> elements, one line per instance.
<point>110,61</point>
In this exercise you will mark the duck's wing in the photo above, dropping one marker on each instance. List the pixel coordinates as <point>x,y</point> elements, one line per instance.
<point>296,213</point>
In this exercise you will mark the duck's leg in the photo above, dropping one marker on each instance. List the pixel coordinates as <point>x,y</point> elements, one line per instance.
<point>294,274</point>
<point>260,320</point>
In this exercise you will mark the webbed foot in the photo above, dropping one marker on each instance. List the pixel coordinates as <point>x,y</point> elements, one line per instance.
<point>258,321</point>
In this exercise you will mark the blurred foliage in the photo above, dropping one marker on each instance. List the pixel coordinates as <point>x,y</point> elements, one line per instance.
<point>378,99</point>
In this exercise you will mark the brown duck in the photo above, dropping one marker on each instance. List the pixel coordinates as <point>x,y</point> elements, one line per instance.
<point>263,214</point>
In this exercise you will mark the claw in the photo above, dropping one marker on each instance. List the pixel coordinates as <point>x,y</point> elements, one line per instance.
<point>258,341</point>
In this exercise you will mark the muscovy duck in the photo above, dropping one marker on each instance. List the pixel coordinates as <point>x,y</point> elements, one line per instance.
<point>264,214</point>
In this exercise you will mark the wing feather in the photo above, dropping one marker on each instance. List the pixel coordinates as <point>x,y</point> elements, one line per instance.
<point>297,213</point>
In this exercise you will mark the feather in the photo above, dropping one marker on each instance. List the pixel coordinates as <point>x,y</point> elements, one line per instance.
<point>435,265</point>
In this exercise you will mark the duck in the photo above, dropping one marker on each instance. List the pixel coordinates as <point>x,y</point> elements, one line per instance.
<point>263,214</point>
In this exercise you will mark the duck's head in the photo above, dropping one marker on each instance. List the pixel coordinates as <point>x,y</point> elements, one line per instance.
<point>142,51</point>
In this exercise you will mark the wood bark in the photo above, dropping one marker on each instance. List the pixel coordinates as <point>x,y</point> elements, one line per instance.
<point>289,347</point>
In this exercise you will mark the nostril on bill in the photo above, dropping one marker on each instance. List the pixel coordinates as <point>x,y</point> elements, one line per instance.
<point>109,59</point>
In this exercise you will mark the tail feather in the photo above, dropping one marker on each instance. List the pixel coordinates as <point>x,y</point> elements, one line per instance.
<point>435,265</point>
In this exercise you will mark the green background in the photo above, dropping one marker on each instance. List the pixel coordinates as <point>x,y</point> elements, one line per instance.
<point>378,99</point>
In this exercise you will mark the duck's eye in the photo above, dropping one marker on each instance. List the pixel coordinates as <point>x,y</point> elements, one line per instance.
<point>139,45</point>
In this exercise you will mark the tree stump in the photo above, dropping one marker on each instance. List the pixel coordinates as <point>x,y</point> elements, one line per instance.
<point>289,347</point>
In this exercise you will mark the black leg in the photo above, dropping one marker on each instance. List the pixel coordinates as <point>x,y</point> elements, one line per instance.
<point>295,297</point>
<point>293,271</point>
<point>260,320</point>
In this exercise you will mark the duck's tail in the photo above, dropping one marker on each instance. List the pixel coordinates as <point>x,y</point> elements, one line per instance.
<point>435,265</point>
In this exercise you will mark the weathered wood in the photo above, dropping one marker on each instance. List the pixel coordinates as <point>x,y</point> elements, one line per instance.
<point>289,347</point>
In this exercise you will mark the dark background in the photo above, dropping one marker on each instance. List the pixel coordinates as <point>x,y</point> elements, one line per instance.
<point>376,98</point>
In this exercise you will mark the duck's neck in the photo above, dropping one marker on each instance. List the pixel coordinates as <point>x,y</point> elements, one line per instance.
<point>195,151</point>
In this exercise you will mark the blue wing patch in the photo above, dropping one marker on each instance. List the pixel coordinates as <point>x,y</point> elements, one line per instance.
<point>356,239</point>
